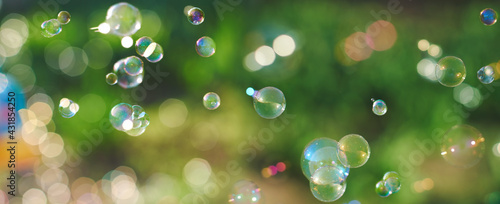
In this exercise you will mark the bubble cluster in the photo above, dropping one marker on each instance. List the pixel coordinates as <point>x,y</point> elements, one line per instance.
<point>122,19</point>
<point>390,184</point>
<point>488,16</point>
<point>68,108</point>
<point>132,120</point>
<point>379,107</point>
<point>450,71</point>
<point>269,102</point>
<point>463,146</point>
<point>245,192</point>
<point>54,26</point>
<point>356,150</point>
<point>205,46</point>
<point>146,47</point>
<point>195,16</point>
<point>64,17</point>
<point>211,101</point>
<point>129,72</point>
<point>321,164</point>
<point>486,74</point>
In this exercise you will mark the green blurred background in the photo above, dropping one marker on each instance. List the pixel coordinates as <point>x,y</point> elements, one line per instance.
<point>327,95</point>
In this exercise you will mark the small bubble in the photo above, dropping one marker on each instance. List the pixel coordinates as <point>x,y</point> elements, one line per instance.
<point>195,16</point>
<point>462,146</point>
<point>450,71</point>
<point>68,108</point>
<point>211,101</point>
<point>51,27</point>
<point>111,78</point>
<point>488,16</point>
<point>356,150</point>
<point>64,17</point>
<point>486,74</point>
<point>205,46</point>
<point>379,107</point>
<point>269,102</point>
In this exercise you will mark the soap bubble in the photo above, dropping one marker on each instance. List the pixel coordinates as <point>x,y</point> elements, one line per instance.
<point>123,19</point>
<point>379,107</point>
<point>329,174</point>
<point>195,16</point>
<point>152,51</point>
<point>68,108</point>
<point>111,78</point>
<point>356,150</point>
<point>126,80</point>
<point>486,74</point>
<point>462,146</point>
<point>121,117</point>
<point>63,17</point>
<point>450,71</point>
<point>133,66</point>
<point>382,189</point>
<point>329,192</point>
<point>392,181</point>
<point>269,102</point>
<point>205,46</point>
<point>488,16</point>
<point>319,153</point>
<point>245,192</point>
<point>51,27</point>
<point>140,118</point>
<point>211,101</point>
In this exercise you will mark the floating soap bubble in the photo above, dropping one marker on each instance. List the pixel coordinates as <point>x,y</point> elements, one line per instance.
<point>195,16</point>
<point>269,102</point>
<point>51,27</point>
<point>382,189</point>
<point>140,118</point>
<point>122,19</point>
<point>450,71</point>
<point>486,74</point>
<point>121,117</point>
<point>152,51</point>
<point>111,78</point>
<point>319,153</point>
<point>356,150</point>
<point>379,107</point>
<point>329,192</point>
<point>205,46</point>
<point>462,146</point>
<point>329,174</point>
<point>63,17</point>
<point>211,101</point>
<point>68,108</point>
<point>133,65</point>
<point>488,16</point>
<point>245,192</point>
<point>392,181</point>
<point>125,79</point>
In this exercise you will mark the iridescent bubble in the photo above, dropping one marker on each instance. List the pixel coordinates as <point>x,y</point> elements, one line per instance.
<point>392,181</point>
<point>152,51</point>
<point>462,146</point>
<point>488,16</point>
<point>329,174</point>
<point>123,19</point>
<point>329,192</point>
<point>121,117</point>
<point>111,78</point>
<point>450,71</point>
<point>51,27</point>
<point>245,192</point>
<point>68,108</point>
<point>211,101</point>
<point>319,153</point>
<point>205,46</point>
<point>486,74</point>
<point>133,66</point>
<point>63,17</point>
<point>269,102</point>
<point>125,80</point>
<point>379,107</point>
<point>356,150</point>
<point>195,16</point>
<point>382,189</point>
<point>140,119</point>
